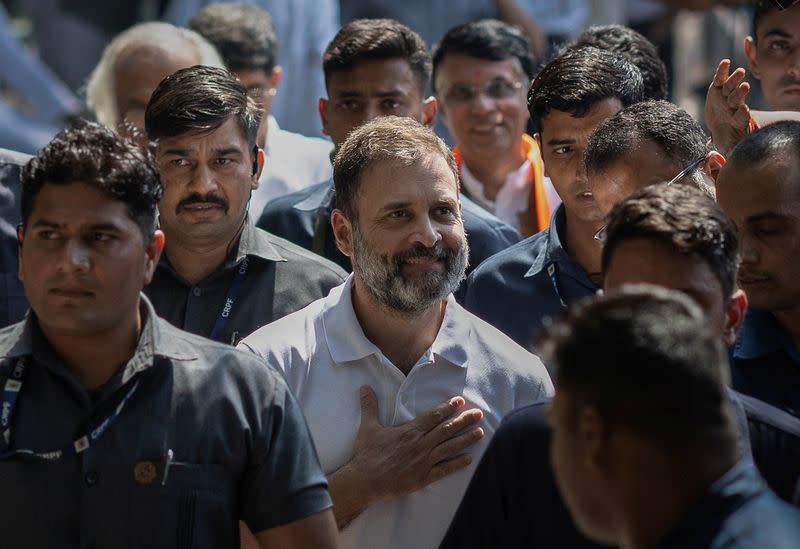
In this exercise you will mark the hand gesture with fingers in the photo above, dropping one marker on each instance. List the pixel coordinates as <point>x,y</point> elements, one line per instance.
<point>393,461</point>
<point>727,114</point>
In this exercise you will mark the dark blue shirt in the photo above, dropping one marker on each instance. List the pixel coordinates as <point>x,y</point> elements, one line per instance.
<point>13,303</point>
<point>304,217</point>
<point>765,362</point>
<point>737,512</point>
<point>519,288</point>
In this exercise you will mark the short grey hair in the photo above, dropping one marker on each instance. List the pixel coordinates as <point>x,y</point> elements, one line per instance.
<point>386,138</point>
<point>100,96</point>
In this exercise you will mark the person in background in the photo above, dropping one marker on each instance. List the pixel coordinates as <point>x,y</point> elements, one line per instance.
<point>481,72</point>
<point>517,289</point>
<point>303,29</point>
<point>244,37</point>
<point>618,436</point>
<point>372,68</point>
<point>122,420</point>
<point>759,188</point>
<point>131,67</point>
<point>13,303</point>
<point>220,276</point>
<point>398,464</point>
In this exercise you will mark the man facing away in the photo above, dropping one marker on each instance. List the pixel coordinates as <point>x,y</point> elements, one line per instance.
<point>119,429</point>
<point>245,38</point>
<point>398,464</point>
<point>220,276</point>
<point>481,72</point>
<point>517,289</point>
<point>619,437</point>
<point>372,68</point>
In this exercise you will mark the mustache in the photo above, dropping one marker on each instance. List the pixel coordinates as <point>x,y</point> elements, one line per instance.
<point>789,80</point>
<point>197,198</point>
<point>438,251</point>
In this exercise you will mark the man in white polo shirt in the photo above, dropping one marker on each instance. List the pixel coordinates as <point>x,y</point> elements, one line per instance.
<point>401,387</point>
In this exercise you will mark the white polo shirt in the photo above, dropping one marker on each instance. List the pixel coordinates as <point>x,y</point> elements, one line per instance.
<point>326,358</point>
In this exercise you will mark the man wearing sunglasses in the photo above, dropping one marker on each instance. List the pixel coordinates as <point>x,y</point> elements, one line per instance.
<point>481,72</point>
<point>646,143</point>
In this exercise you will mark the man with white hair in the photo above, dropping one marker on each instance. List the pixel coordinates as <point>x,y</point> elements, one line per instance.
<point>131,67</point>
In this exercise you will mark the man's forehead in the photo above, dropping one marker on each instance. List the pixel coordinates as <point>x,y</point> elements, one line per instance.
<point>459,67</point>
<point>390,180</point>
<point>373,76</point>
<point>780,22</point>
<point>560,125</point>
<point>226,135</point>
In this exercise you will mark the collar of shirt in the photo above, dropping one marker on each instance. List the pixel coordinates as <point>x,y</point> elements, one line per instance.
<point>702,521</point>
<point>760,335</point>
<point>554,252</point>
<point>152,343</point>
<point>511,199</point>
<point>323,197</point>
<point>347,341</point>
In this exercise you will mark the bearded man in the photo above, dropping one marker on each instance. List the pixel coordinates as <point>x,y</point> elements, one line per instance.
<point>407,387</point>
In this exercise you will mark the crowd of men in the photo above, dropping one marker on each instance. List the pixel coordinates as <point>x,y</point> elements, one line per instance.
<point>578,327</point>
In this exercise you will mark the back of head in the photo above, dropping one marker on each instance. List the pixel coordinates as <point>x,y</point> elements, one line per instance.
<point>684,218</point>
<point>94,154</point>
<point>387,138</point>
<point>645,359</point>
<point>670,127</point>
<point>100,94</point>
<point>242,34</point>
<point>576,79</point>
<point>199,100</point>
<point>488,39</point>
<point>778,140</point>
<point>377,39</point>
<point>635,48</point>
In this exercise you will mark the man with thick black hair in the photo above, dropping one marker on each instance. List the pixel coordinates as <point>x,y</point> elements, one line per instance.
<point>517,289</point>
<point>373,67</point>
<point>220,276</point>
<point>116,424</point>
<point>481,71</point>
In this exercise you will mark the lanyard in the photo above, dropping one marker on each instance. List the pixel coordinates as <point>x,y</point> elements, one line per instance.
<point>11,391</point>
<point>230,300</point>
<point>552,271</point>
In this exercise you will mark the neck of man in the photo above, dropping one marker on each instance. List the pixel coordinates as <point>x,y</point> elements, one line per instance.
<point>680,482</point>
<point>195,260</point>
<point>492,171</point>
<point>789,320</point>
<point>95,358</point>
<point>401,337</point>
<point>582,246</point>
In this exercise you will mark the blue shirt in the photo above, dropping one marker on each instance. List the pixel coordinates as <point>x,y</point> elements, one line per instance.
<point>737,512</point>
<point>304,217</point>
<point>518,289</point>
<point>765,362</point>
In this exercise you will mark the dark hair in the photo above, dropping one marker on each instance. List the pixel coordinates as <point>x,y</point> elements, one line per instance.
<point>634,47</point>
<point>487,39</point>
<point>386,138</point>
<point>767,143</point>
<point>670,127</point>
<point>760,9</point>
<point>645,358</point>
<point>368,39</point>
<point>242,34</point>
<point>96,155</point>
<point>683,217</point>
<point>575,79</point>
<point>200,99</point>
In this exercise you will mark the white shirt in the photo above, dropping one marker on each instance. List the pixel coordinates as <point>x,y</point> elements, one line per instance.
<point>326,358</point>
<point>511,199</point>
<point>291,162</point>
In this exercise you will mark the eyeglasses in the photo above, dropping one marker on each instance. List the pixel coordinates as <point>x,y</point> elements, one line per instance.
<point>600,235</point>
<point>497,88</point>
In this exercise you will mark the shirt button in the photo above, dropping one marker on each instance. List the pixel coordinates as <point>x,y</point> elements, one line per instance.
<point>90,478</point>
<point>197,292</point>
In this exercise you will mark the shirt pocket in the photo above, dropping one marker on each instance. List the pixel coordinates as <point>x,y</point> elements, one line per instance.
<point>196,507</point>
